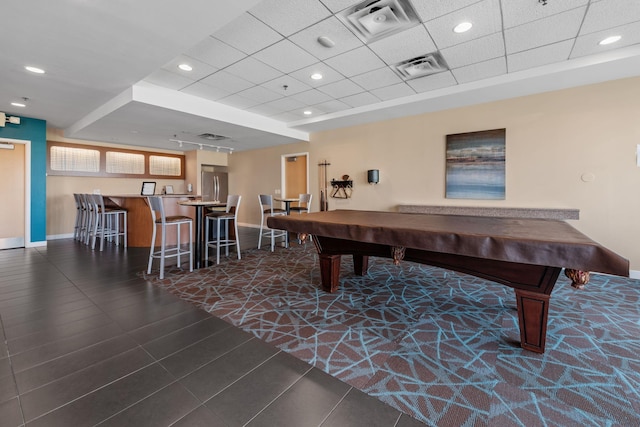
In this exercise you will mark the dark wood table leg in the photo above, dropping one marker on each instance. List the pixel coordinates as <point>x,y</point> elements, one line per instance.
<point>330,272</point>
<point>360,264</point>
<point>533,312</point>
<point>198,240</point>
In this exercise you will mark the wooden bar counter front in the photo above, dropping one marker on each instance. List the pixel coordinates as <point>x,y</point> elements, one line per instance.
<point>140,226</point>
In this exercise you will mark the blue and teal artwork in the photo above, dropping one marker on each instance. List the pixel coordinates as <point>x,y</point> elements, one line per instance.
<point>476,165</point>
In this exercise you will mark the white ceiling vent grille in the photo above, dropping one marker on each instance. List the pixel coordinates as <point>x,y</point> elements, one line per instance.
<point>212,137</point>
<point>373,20</point>
<point>425,65</point>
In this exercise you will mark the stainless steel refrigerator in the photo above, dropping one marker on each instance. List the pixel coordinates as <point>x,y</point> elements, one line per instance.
<point>215,183</point>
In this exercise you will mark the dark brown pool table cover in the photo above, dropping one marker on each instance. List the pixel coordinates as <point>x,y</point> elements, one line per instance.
<point>529,241</point>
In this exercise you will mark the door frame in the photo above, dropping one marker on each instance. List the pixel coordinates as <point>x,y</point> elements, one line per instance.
<point>283,164</point>
<point>27,187</point>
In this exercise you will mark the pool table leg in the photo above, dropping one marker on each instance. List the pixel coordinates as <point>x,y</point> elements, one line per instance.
<point>360,264</point>
<point>330,272</point>
<point>533,311</point>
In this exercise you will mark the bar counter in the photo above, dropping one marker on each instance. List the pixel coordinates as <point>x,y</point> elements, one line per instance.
<point>139,224</point>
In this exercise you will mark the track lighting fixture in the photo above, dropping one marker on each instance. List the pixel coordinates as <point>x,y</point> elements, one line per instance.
<point>201,146</point>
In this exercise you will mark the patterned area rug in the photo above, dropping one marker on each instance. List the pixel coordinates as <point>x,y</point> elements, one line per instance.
<point>440,346</point>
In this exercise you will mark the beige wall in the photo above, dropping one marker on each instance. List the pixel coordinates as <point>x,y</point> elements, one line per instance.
<point>553,140</point>
<point>258,172</point>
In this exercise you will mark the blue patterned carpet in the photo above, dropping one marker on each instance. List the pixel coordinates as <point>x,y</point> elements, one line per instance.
<point>438,345</point>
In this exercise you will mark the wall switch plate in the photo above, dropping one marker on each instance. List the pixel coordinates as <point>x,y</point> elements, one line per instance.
<point>638,155</point>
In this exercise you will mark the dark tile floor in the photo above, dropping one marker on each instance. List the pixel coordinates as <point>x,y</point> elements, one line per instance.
<point>85,340</point>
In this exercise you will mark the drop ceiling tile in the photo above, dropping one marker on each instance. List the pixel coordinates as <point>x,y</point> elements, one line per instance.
<point>338,5</point>
<point>329,75</point>
<point>238,101</point>
<point>607,13</point>
<point>377,79</point>
<point>332,28</point>
<point>293,85</point>
<point>431,9</point>
<point>342,88</point>
<point>405,45</point>
<point>265,110</point>
<point>589,44</point>
<point>518,12</point>
<point>286,117</point>
<point>482,49</point>
<point>433,82</point>
<point>480,70</point>
<point>311,97</point>
<point>553,29</point>
<point>260,94</point>
<point>227,81</point>
<point>485,17</point>
<point>200,69</point>
<point>356,61</point>
<point>215,53</point>
<point>393,92</point>
<point>164,78</point>
<point>289,16</point>
<point>332,106</point>
<point>253,70</point>
<point>285,56</point>
<point>286,104</point>
<point>205,91</point>
<point>248,34</point>
<point>537,57</point>
<point>360,99</point>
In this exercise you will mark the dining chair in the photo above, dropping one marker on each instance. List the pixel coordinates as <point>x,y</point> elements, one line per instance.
<point>223,218</point>
<point>161,220</point>
<point>267,210</point>
<point>304,205</point>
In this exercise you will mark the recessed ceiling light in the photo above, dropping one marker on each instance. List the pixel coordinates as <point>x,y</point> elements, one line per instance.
<point>610,40</point>
<point>316,76</point>
<point>462,27</point>
<point>307,113</point>
<point>34,69</point>
<point>185,67</point>
<point>18,104</point>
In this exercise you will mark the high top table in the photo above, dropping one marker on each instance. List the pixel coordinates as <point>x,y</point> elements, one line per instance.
<point>200,205</point>
<point>524,254</point>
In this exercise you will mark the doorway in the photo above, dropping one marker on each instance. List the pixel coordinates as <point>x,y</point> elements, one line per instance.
<point>12,178</point>
<point>295,174</point>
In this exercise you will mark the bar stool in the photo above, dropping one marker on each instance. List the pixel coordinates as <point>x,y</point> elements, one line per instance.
<point>105,222</point>
<point>267,210</point>
<point>231,214</point>
<point>160,219</point>
<point>304,205</point>
<point>78,228</point>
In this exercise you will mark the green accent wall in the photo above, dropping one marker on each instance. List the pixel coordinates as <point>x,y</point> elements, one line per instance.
<point>34,130</point>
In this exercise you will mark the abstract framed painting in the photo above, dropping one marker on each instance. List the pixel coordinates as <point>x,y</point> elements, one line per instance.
<point>475,165</point>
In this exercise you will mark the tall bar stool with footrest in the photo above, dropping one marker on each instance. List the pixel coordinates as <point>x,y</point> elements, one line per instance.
<point>220,219</point>
<point>267,210</point>
<point>105,222</point>
<point>160,219</point>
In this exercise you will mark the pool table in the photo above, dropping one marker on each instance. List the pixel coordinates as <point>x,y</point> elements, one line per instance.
<point>524,254</point>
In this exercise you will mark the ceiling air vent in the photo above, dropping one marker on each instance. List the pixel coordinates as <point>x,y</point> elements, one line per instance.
<point>212,137</point>
<point>425,65</point>
<point>373,20</point>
